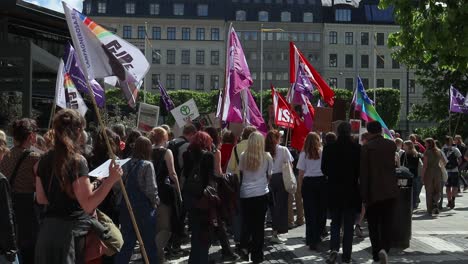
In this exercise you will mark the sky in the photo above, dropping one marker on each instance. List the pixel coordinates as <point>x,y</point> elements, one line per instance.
<point>57,4</point>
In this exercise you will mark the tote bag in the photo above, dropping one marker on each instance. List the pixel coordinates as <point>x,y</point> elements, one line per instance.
<point>289,179</point>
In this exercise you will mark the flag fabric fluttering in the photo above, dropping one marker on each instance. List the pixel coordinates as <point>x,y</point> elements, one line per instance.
<point>166,99</point>
<point>457,101</point>
<point>364,105</point>
<point>354,3</point>
<point>299,132</point>
<point>72,67</point>
<point>302,85</point>
<point>283,116</point>
<point>308,112</point>
<point>295,59</point>
<point>253,116</point>
<point>66,94</point>
<point>103,54</point>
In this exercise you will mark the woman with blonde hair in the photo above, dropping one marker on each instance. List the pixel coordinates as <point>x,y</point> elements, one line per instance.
<point>255,167</point>
<point>314,186</point>
<point>434,163</point>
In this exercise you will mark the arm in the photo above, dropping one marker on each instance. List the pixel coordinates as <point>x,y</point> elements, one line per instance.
<point>40,193</point>
<point>149,184</point>
<point>169,158</point>
<point>232,164</point>
<point>325,160</point>
<point>301,175</point>
<point>217,162</point>
<point>424,168</point>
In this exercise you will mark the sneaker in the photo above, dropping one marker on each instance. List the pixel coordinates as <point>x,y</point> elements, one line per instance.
<point>453,203</point>
<point>332,258</point>
<point>383,257</point>
<point>244,255</point>
<point>276,240</point>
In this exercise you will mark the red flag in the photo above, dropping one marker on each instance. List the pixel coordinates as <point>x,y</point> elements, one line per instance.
<point>283,116</point>
<point>296,57</point>
<point>299,132</point>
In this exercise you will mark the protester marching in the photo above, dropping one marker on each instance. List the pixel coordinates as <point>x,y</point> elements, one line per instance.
<point>81,196</point>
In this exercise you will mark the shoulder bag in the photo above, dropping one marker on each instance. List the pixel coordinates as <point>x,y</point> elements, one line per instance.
<point>289,179</point>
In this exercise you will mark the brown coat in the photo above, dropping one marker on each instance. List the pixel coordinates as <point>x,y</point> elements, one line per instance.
<point>377,180</point>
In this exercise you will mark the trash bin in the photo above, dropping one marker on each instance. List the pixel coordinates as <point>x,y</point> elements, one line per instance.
<point>403,210</point>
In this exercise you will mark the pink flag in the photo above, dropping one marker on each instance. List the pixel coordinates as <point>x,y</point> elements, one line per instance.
<point>253,116</point>
<point>308,112</point>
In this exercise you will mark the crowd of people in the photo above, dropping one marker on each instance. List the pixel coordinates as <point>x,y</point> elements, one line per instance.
<point>205,186</point>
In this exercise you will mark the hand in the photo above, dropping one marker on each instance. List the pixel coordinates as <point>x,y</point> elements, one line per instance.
<point>115,171</point>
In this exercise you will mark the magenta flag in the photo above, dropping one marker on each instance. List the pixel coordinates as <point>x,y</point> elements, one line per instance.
<point>457,102</point>
<point>253,116</point>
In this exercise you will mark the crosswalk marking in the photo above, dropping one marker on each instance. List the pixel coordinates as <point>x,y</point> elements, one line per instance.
<point>439,244</point>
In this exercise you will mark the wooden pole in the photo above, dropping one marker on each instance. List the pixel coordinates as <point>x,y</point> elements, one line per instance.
<point>52,113</point>
<point>456,126</point>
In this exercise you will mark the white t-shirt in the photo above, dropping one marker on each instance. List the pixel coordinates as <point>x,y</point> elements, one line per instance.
<point>255,183</point>
<point>311,168</point>
<point>282,156</point>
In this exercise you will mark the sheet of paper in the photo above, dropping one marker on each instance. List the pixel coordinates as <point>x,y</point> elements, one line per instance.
<point>103,170</point>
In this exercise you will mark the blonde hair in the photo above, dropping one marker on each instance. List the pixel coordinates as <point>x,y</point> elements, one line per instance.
<point>312,146</point>
<point>3,136</point>
<point>411,149</point>
<point>158,135</point>
<point>255,153</point>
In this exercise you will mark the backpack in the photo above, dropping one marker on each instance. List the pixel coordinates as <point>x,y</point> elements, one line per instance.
<point>174,146</point>
<point>193,182</point>
<point>452,159</point>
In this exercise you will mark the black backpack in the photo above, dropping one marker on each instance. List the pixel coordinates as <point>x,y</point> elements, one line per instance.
<point>174,146</point>
<point>452,159</point>
<point>193,181</point>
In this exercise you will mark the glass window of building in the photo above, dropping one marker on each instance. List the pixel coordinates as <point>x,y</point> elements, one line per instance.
<point>141,32</point>
<point>263,16</point>
<point>178,9</point>
<point>365,61</point>
<point>279,1</point>
<point>349,38</point>
<point>185,33</point>
<point>290,2</point>
<point>254,76</point>
<point>267,1</point>
<point>365,83</point>
<point>215,34</point>
<point>333,82</point>
<point>202,10</point>
<point>333,60</point>
<point>308,17</point>
<point>395,64</point>
<point>380,61</point>
<point>214,82</point>
<point>102,7</point>
<point>170,57</point>
<point>200,34</point>
<point>156,33</point>
<point>278,76</point>
<point>200,82</point>
<point>380,39</point>
<point>301,2</point>
<point>130,8</point>
<point>285,16</point>
<point>253,55</point>
<point>349,60</point>
<point>87,8</point>
<point>333,37</point>
<point>269,76</point>
<point>380,83</point>
<point>214,57</point>
<point>156,56</point>
<point>412,86</point>
<point>127,32</point>
<point>364,38</point>
<point>396,84</point>
<point>171,33</point>
<point>185,81</point>
<point>154,9</point>
<point>241,15</point>
<point>200,60</point>
<point>170,81</point>
<point>154,81</point>
<point>343,15</point>
<point>185,58</point>
<point>349,83</point>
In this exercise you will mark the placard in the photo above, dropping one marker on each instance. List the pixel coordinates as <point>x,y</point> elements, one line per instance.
<point>148,116</point>
<point>185,112</point>
<point>323,119</point>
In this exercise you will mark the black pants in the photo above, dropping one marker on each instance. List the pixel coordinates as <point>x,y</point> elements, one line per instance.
<point>27,223</point>
<point>379,217</point>
<point>342,217</point>
<point>314,196</point>
<point>279,204</point>
<point>253,225</point>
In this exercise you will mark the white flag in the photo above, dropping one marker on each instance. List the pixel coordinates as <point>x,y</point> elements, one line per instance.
<point>66,94</point>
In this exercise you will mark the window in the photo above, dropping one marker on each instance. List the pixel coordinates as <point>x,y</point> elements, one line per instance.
<point>200,34</point>
<point>285,17</point>
<point>396,84</point>
<point>301,2</point>
<point>154,9</point>
<point>380,39</point>
<point>349,38</point>
<point>130,8</point>
<point>343,15</point>
<point>380,61</point>
<point>349,83</point>
<point>141,32</point>
<point>333,60</point>
<point>214,82</point>
<point>200,57</point>
<point>156,56</point>
<point>241,15</point>
<point>170,81</point>
<point>269,76</point>
<point>202,10</point>
<point>364,38</point>
<point>171,33</point>
<point>154,81</point>
<point>313,57</point>
<point>185,59</point>
<point>214,57</point>
<point>365,83</point>
<point>170,57</point>
<point>263,16</point>
<point>333,82</point>
<point>412,87</point>
<point>215,34</point>
<point>313,37</point>
<point>102,8</point>
<point>333,37</point>
<point>200,82</point>
<point>380,83</point>
<point>185,33</point>
<point>308,17</point>
<point>178,9</point>
<point>278,76</point>
<point>156,32</point>
<point>290,2</point>
<point>253,55</point>
<point>349,60</point>
<point>185,81</point>
<point>364,61</point>
<point>87,8</point>
<point>395,64</point>
<point>127,32</point>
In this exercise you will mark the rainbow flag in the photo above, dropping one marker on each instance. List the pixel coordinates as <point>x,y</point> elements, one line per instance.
<point>365,106</point>
<point>66,94</point>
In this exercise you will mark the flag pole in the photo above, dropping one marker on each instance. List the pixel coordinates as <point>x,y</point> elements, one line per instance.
<point>52,113</point>
<point>456,126</point>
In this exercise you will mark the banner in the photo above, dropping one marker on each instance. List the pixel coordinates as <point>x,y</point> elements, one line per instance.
<point>148,117</point>
<point>185,112</point>
<point>66,94</point>
<point>457,102</point>
<point>282,116</point>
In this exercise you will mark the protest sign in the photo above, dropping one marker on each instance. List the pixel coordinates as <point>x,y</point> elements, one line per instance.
<point>148,116</point>
<point>185,112</point>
